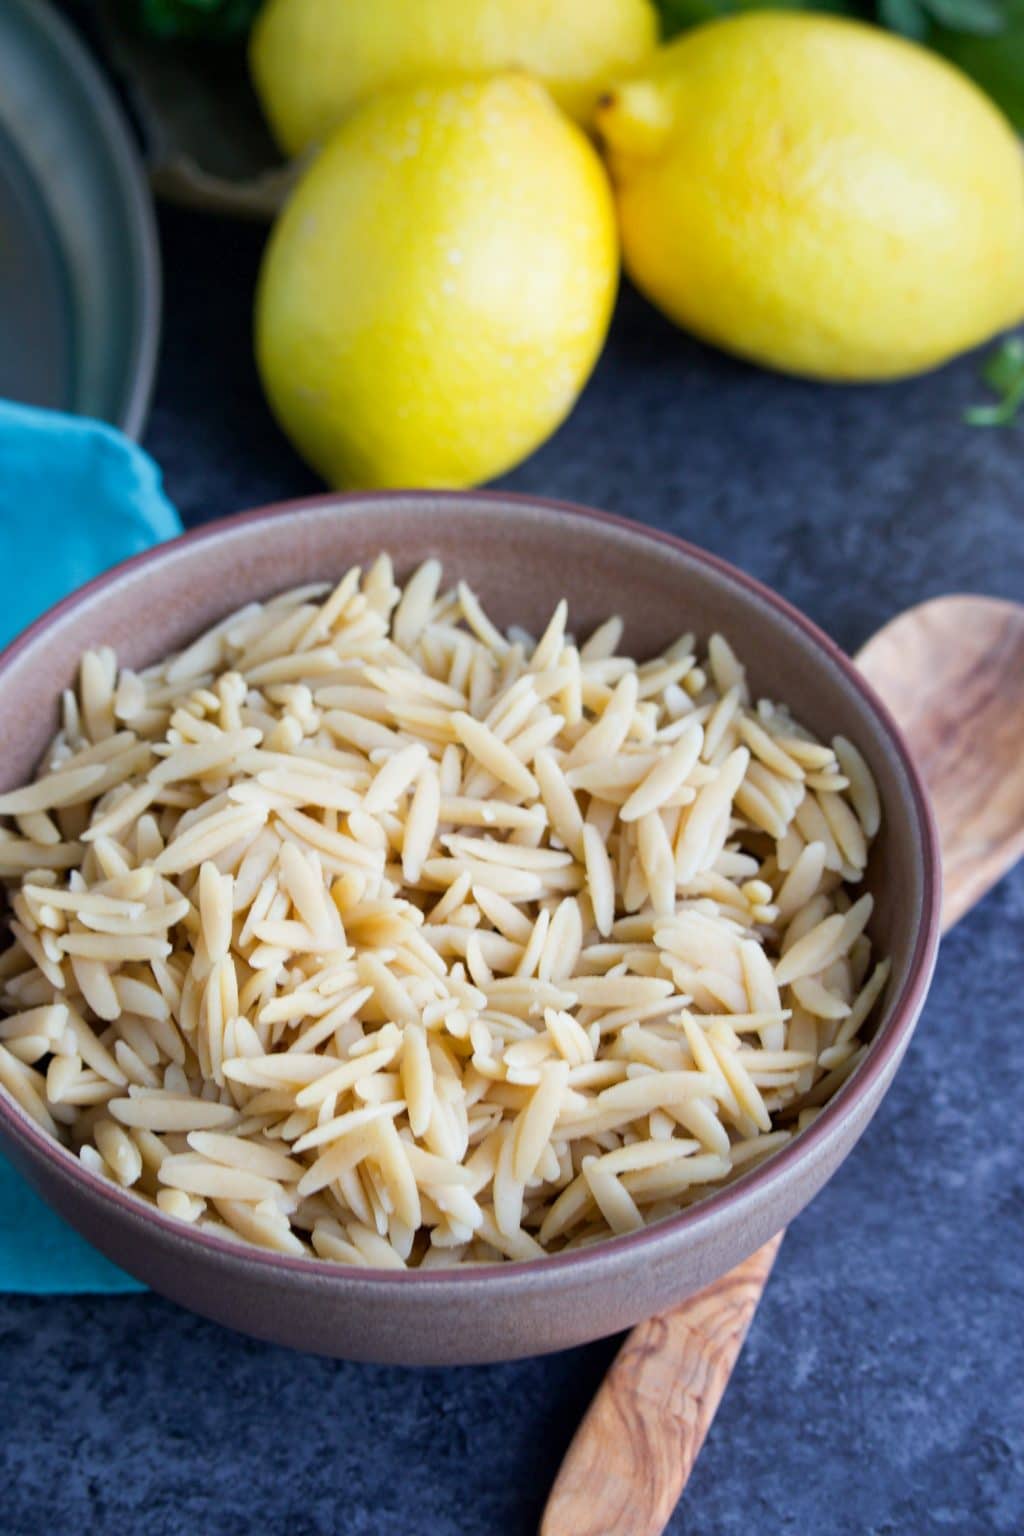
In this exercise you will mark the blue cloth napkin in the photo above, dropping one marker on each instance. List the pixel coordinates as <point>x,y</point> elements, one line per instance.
<point>76,497</point>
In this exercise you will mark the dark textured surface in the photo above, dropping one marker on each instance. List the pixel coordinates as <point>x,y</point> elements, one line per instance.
<point>882,1388</point>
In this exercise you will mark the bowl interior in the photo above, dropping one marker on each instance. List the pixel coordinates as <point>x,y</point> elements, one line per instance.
<point>521,556</point>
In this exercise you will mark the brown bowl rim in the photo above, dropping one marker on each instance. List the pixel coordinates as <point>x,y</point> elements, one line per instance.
<point>776,1167</point>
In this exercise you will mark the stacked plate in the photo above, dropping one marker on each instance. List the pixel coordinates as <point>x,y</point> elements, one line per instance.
<point>79,269</point>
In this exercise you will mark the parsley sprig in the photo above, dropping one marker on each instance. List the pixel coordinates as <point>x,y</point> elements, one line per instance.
<point>916,18</point>
<point>1003,372</point>
<point>218,20</point>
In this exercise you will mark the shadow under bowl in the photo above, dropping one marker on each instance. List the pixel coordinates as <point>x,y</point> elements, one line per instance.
<point>521,555</point>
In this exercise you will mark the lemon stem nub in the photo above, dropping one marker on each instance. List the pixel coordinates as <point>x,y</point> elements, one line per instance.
<point>634,119</point>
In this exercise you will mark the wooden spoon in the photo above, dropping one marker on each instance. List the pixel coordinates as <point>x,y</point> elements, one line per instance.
<point>952,673</point>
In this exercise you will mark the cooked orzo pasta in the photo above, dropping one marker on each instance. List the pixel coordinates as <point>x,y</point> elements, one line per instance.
<point>360,929</point>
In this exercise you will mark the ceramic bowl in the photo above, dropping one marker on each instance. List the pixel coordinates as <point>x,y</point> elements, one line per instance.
<point>521,555</point>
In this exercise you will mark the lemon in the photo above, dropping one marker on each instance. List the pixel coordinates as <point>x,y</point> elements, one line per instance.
<point>439,286</point>
<point>818,196</point>
<point>313,60</point>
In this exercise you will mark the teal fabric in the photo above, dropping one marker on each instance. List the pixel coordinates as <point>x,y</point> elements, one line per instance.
<point>76,497</point>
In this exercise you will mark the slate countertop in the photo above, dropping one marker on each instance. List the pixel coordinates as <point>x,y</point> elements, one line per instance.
<point>882,1387</point>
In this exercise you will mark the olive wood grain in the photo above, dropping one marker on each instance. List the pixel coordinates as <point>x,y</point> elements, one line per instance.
<point>643,1432</point>
<point>952,673</point>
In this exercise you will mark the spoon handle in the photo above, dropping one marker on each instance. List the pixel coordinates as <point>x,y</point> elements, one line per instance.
<point>632,1455</point>
<point>635,1448</point>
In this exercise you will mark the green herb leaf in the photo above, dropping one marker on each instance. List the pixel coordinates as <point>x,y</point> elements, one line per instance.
<point>904,16</point>
<point>678,15</point>
<point>980,18</point>
<point>1003,372</point>
<point>215,19</point>
<point>997,63</point>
